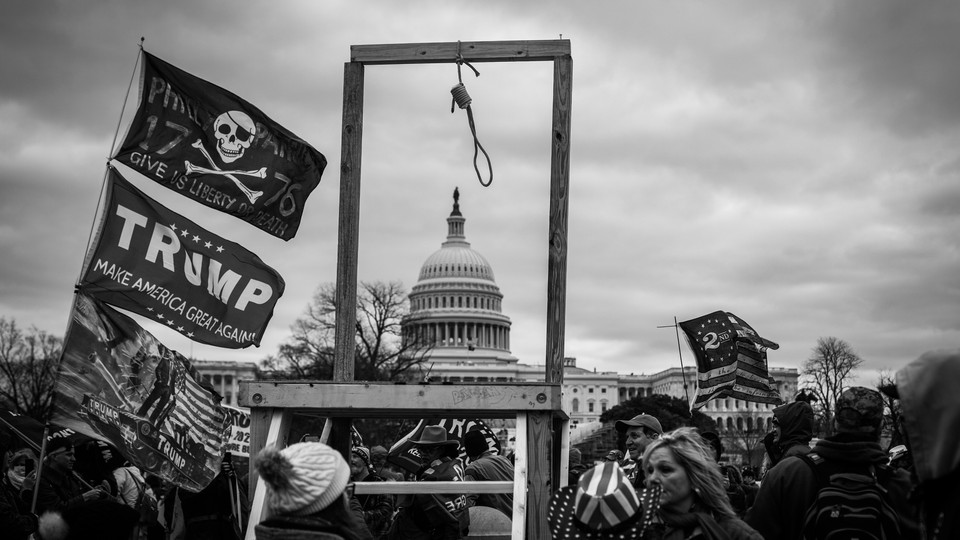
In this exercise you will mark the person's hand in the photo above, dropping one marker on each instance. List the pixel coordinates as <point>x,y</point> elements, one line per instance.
<point>93,495</point>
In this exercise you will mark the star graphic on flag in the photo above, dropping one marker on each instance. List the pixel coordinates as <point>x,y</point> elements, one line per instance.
<point>184,233</point>
<point>196,238</point>
<point>160,316</point>
<point>207,245</point>
<point>179,329</point>
<point>173,226</point>
<point>169,322</point>
<point>150,309</point>
<point>219,249</point>
<point>189,334</point>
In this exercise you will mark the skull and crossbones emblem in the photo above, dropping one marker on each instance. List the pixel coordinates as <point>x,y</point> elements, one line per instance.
<point>234,131</point>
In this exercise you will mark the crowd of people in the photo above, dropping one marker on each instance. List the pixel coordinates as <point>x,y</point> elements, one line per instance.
<point>309,491</point>
<point>663,485</point>
<point>88,490</point>
<point>672,485</point>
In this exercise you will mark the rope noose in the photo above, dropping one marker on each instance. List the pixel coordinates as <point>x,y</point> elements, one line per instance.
<point>462,99</point>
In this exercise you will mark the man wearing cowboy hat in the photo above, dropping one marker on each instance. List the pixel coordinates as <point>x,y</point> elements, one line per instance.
<point>439,516</point>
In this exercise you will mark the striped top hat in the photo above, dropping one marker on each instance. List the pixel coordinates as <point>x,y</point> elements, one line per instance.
<point>603,505</point>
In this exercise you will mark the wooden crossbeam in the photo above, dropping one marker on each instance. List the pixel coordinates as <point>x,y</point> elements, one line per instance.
<point>388,400</point>
<point>471,51</point>
<point>380,488</point>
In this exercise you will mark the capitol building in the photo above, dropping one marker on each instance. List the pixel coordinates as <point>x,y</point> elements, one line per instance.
<point>457,308</point>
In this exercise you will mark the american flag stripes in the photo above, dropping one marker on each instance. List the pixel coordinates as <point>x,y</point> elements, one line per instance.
<point>731,359</point>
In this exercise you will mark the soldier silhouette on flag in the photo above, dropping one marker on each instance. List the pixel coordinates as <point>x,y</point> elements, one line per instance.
<point>164,384</point>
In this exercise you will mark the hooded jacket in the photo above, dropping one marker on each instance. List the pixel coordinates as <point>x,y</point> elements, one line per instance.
<point>790,487</point>
<point>929,389</point>
<point>796,430</point>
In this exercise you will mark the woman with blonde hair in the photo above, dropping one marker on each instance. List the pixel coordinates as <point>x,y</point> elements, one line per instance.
<point>693,502</point>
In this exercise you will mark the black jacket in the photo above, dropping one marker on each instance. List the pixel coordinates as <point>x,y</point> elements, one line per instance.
<point>16,521</point>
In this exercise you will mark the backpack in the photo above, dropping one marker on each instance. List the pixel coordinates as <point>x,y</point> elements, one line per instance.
<point>849,505</point>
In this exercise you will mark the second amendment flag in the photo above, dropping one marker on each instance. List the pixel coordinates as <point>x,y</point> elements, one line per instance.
<point>157,263</point>
<point>210,145</point>
<point>731,359</point>
<point>118,383</point>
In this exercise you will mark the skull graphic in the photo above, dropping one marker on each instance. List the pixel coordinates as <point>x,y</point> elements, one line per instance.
<point>234,131</point>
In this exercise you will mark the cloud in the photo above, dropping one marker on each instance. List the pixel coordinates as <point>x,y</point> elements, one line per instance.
<point>795,164</point>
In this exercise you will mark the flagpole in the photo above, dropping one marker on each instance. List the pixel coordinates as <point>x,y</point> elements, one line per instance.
<point>20,434</point>
<point>103,185</point>
<point>683,373</point>
<point>94,229</point>
<point>36,482</point>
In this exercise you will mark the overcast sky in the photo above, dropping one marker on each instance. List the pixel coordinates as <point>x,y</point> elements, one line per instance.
<point>795,163</point>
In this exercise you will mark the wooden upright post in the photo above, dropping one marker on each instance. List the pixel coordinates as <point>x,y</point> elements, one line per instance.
<point>346,295</point>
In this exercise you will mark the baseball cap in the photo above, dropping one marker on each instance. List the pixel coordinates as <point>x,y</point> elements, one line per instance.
<point>643,419</point>
<point>859,409</point>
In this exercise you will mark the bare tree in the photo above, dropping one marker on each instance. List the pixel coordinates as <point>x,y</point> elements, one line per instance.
<point>747,441</point>
<point>28,369</point>
<point>827,370</point>
<point>380,354</point>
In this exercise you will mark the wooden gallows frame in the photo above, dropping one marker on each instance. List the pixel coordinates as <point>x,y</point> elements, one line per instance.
<point>542,426</point>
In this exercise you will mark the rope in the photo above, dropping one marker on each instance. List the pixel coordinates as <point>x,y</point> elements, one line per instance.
<point>462,99</point>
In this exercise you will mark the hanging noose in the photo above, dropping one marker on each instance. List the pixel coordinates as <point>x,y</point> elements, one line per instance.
<point>462,99</point>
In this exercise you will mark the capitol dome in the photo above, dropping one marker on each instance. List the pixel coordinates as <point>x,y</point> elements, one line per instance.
<point>456,261</point>
<point>455,307</point>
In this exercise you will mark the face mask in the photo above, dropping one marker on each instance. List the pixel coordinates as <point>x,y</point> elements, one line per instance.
<point>15,479</point>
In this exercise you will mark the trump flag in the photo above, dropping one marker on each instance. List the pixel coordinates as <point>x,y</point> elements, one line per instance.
<point>119,384</point>
<point>731,359</point>
<point>157,263</point>
<point>210,145</point>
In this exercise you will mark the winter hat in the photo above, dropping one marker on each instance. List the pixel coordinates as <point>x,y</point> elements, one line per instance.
<point>304,478</point>
<point>56,444</point>
<point>859,409</point>
<point>363,453</point>
<point>475,443</point>
<point>22,456</point>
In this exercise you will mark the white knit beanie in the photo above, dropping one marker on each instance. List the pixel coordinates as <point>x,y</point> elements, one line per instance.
<point>303,478</point>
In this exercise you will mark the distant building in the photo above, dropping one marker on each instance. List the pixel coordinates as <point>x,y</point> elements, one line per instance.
<point>224,376</point>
